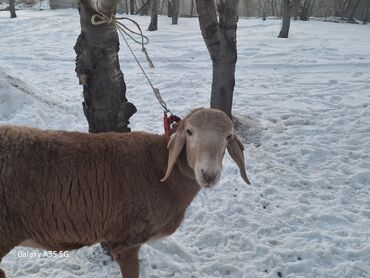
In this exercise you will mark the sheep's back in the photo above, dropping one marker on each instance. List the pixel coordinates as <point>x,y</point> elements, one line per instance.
<point>78,186</point>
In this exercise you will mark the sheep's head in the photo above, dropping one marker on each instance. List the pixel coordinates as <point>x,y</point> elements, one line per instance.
<point>204,135</point>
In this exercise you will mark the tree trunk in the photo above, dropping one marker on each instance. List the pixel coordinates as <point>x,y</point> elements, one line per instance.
<point>311,8</point>
<point>154,15</point>
<point>304,13</point>
<point>175,11</point>
<point>12,9</point>
<point>144,9</point>
<point>264,12</point>
<point>220,39</point>
<point>132,6</point>
<point>340,7</point>
<point>97,66</point>
<point>121,6</point>
<point>366,17</point>
<point>352,13</point>
<point>348,4</point>
<point>273,12</point>
<point>169,8</point>
<point>284,33</point>
<point>192,8</point>
<point>296,9</point>
<point>223,83</point>
<point>346,9</point>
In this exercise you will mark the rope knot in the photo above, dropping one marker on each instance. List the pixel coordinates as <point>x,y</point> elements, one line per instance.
<point>99,19</point>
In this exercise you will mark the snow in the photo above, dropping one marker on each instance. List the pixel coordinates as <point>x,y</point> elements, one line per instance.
<point>304,110</point>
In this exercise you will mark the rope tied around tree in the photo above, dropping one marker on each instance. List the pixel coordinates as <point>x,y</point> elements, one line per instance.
<point>170,120</point>
<point>100,18</point>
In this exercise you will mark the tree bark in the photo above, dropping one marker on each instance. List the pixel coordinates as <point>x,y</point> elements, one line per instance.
<point>366,17</point>
<point>304,13</point>
<point>347,5</point>
<point>220,39</point>
<point>353,10</point>
<point>154,15</point>
<point>121,6</point>
<point>12,9</point>
<point>311,8</point>
<point>169,8</point>
<point>192,8</point>
<point>296,9</point>
<point>144,9</point>
<point>273,11</point>
<point>346,10</point>
<point>264,12</point>
<point>284,33</point>
<point>132,6</point>
<point>175,11</point>
<point>97,66</point>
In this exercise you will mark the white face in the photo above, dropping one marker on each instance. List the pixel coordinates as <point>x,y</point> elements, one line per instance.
<point>205,150</point>
<point>206,134</point>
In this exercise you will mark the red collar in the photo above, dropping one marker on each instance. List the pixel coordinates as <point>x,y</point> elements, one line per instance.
<point>170,125</point>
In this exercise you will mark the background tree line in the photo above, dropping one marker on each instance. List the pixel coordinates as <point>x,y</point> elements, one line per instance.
<point>346,9</point>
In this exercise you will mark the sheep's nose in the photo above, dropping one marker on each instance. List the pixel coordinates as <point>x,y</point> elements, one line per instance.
<point>209,177</point>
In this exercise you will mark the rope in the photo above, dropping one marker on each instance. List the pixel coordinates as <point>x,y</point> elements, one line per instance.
<point>100,18</point>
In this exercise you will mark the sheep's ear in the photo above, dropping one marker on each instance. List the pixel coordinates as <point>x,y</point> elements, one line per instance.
<point>175,147</point>
<point>235,148</point>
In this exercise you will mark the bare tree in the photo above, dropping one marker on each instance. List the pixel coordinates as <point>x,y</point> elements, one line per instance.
<point>273,7</point>
<point>126,6</point>
<point>175,11</point>
<point>354,8</point>
<point>132,6</point>
<point>122,6</point>
<point>284,33</point>
<point>154,15</point>
<point>12,9</point>
<point>313,6</point>
<point>169,8</point>
<point>367,11</point>
<point>97,66</point>
<point>144,9</point>
<point>305,10</point>
<point>220,39</point>
<point>296,8</point>
<point>192,8</point>
<point>265,8</point>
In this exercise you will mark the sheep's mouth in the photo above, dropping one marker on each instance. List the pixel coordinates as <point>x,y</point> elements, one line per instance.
<point>208,184</point>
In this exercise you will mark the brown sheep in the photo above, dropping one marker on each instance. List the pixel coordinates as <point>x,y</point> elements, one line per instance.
<point>64,190</point>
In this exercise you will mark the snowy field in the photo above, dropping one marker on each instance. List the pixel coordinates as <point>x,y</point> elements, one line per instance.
<point>304,108</point>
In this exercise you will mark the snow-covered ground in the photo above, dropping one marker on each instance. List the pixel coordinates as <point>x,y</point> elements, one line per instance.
<point>304,108</point>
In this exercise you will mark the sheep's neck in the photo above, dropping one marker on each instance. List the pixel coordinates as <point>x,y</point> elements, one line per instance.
<point>182,181</point>
<point>187,188</point>
<point>184,167</point>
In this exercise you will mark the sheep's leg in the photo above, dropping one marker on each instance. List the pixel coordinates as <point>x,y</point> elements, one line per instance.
<point>128,260</point>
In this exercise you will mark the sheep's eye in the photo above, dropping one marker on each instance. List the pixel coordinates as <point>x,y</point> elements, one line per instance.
<point>228,138</point>
<point>188,132</point>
